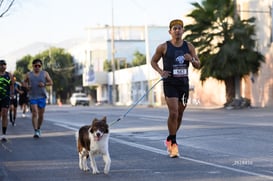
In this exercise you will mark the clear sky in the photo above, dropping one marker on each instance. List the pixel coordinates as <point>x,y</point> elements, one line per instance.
<point>52,21</point>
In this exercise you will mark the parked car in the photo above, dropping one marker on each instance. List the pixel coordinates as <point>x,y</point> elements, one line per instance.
<point>79,99</point>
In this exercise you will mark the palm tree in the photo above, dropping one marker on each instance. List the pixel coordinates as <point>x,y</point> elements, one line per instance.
<point>225,43</point>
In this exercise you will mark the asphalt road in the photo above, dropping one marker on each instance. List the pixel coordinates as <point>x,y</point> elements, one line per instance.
<point>215,144</point>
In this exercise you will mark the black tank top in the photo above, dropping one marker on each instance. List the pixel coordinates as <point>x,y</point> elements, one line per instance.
<point>5,85</point>
<point>174,62</point>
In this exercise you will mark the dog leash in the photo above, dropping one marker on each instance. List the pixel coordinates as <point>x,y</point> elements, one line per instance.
<point>135,104</point>
<point>5,146</point>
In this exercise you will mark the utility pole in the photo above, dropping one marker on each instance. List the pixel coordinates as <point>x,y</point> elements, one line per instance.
<point>51,87</point>
<point>113,58</point>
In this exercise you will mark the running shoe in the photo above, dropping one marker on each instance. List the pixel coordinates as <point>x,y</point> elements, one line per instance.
<point>168,144</point>
<point>174,151</point>
<point>39,132</point>
<point>36,134</point>
<point>3,138</point>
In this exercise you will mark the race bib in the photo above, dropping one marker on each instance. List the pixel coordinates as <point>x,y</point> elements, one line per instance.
<point>180,71</point>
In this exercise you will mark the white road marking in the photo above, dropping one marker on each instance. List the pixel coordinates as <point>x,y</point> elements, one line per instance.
<point>164,152</point>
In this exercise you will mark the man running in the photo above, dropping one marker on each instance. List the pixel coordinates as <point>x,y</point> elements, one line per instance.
<point>177,55</point>
<point>37,80</point>
<point>6,91</point>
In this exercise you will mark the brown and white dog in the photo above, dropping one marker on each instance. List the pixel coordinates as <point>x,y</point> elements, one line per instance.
<point>93,140</point>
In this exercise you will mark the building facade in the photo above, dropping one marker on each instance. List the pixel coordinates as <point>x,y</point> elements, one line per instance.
<point>259,88</point>
<point>130,82</point>
<point>120,43</point>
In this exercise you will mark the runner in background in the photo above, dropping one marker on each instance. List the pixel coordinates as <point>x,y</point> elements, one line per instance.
<point>6,91</point>
<point>14,102</point>
<point>23,99</point>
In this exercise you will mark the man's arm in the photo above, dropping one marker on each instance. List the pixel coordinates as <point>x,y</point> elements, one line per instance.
<point>49,81</point>
<point>160,51</point>
<point>11,84</point>
<point>195,60</point>
<point>26,81</point>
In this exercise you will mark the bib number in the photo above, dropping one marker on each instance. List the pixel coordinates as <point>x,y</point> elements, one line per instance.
<point>180,71</point>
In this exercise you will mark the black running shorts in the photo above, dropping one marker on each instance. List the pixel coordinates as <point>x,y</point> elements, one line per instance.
<point>5,102</point>
<point>179,91</point>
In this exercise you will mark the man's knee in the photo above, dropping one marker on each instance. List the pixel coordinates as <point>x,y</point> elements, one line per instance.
<point>173,115</point>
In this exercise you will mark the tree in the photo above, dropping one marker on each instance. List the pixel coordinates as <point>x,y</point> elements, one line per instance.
<point>59,64</point>
<point>226,44</point>
<point>22,67</point>
<point>107,66</point>
<point>139,59</point>
<point>5,6</point>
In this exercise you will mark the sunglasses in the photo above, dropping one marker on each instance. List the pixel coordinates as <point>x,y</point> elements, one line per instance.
<point>3,64</point>
<point>37,66</point>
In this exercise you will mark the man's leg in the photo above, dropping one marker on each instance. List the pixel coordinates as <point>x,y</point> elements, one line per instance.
<point>15,112</point>
<point>41,110</point>
<point>172,104</point>
<point>181,109</point>
<point>10,113</point>
<point>4,116</point>
<point>40,117</point>
<point>35,124</point>
<point>171,144</point>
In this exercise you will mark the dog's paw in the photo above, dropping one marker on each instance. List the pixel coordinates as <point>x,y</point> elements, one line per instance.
<point>107,167</point>
<point>95,172</point>
<point>106,171</point>
<point>86,169</point>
